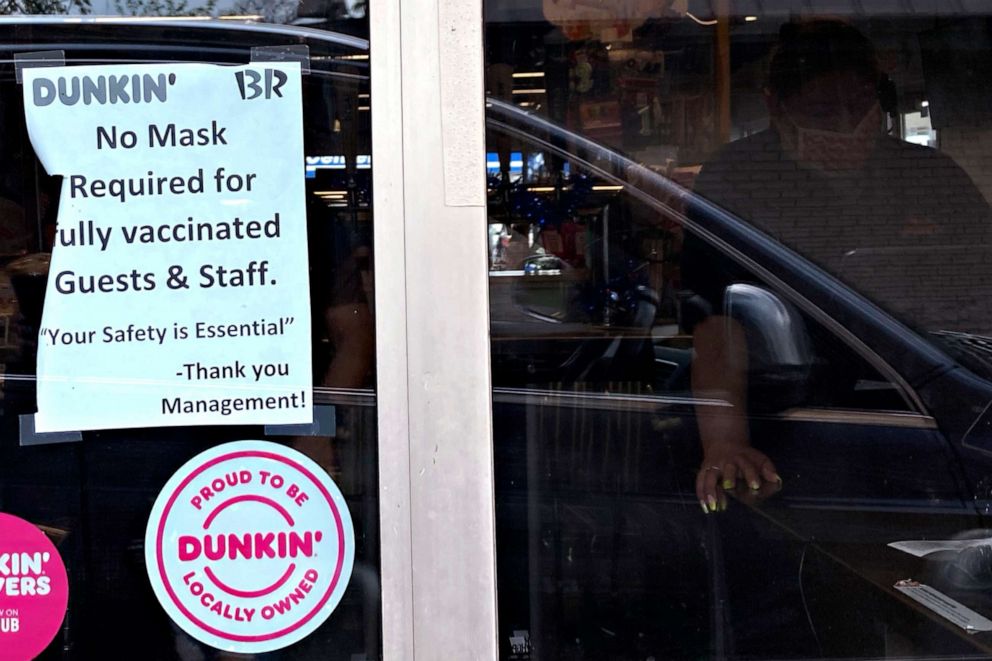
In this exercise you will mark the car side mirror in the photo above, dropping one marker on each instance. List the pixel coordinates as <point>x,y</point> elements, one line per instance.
<point>544,289</point>
<point>779,351</point>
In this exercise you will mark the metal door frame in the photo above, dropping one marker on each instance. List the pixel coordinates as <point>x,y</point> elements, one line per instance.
<point>432,339</point>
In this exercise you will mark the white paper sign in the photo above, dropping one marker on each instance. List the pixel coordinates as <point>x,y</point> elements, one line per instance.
<point>178,292</point>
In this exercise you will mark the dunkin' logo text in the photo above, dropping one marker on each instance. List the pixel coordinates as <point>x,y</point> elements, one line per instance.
<point>250,546</point>
<point>24,574</point>
<point>34,589</point>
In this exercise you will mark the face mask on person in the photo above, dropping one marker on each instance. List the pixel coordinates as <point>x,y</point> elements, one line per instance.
<point>831,152</point>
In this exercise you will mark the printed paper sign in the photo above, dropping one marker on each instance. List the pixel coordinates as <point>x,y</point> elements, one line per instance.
<point>250,546</point>
<point>34,589</point>
<point>178,292</point>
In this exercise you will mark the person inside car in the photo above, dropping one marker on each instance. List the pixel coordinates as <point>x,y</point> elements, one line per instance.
<point>828,182</point>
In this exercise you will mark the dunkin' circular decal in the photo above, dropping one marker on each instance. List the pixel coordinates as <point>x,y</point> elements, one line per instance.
<point>34,589</point>
<point>249,546</point>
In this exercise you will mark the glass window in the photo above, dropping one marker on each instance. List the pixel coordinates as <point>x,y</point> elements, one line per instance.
<point>93,497</point>
<point>738,289</point>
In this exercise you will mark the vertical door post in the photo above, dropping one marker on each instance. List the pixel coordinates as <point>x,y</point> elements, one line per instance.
<point>431,265</point>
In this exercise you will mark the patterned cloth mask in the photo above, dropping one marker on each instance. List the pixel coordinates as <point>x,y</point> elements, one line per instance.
<point>831,151</point>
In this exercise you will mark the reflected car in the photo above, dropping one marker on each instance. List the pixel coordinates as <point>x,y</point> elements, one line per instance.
<point>881,431</point>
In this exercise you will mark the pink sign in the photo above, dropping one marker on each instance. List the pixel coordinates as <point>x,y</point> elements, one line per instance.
<point>34,589</point>
<point>249,546</point>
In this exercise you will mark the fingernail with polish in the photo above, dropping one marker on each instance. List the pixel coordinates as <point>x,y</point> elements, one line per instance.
<point>755,485</point>
<point>728,484</point>
<point>711,501</point>
<point>702,504</point>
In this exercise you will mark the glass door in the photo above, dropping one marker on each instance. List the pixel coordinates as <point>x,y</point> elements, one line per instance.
<point>95,492</point>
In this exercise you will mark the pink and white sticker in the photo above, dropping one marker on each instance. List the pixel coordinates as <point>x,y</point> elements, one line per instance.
<point>34,589</point>
<point>249,546</point>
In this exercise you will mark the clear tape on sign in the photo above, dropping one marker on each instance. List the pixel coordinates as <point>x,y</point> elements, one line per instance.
<point>324,424</point>
<point>289,53</point>
<point>44,58</point>
<point>29,436</point>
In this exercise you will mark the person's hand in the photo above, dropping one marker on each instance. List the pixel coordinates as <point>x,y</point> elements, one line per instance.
<point>729,466</point>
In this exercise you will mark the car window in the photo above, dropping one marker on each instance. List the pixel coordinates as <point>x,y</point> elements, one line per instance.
<point>596,284</point>
<point>892,202</point>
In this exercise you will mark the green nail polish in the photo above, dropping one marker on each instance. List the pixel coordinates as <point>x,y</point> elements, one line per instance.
<point>728,484</point>
<point>755,486</point>
<point>703,505</point>
<point>711,501</point>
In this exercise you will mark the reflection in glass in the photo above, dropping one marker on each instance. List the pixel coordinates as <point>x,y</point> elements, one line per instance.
<point>741,345</point>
